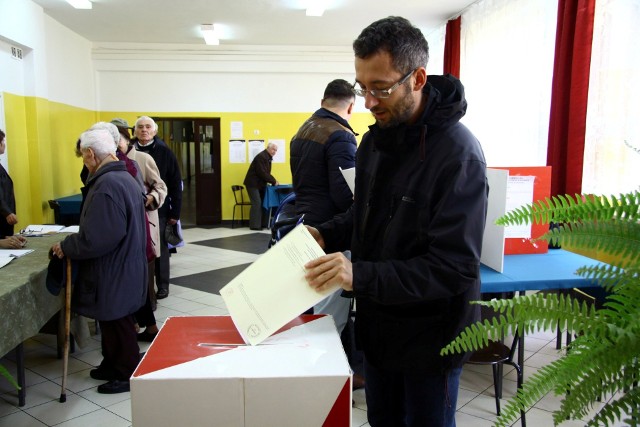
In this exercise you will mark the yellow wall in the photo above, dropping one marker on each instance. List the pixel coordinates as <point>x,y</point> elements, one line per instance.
<point>41,138</point>
<point>42,134</point>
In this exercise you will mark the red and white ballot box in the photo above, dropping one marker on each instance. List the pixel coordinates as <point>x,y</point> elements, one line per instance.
<point>199,372</point>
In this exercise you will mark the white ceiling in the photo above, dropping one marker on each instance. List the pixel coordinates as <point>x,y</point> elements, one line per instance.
<point>243,22</point>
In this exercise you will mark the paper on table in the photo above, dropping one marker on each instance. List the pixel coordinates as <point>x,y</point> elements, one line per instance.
<point>272,291</point>
<point>4,260</point>
<point>15,253</point>
<point>349,176</point>
<point>39,230</point>
<point>71,229</point>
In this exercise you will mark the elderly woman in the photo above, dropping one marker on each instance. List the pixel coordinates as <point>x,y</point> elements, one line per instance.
<point>110,254</point>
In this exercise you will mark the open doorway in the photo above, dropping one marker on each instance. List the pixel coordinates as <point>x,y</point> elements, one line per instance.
<point>196,144</point>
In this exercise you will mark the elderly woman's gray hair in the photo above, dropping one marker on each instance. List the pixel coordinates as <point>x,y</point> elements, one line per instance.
<point>100,141</point>
<point>110,127</point>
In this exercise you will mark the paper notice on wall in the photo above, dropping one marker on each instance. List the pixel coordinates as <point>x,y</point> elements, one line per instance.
<point>282,149</point>
<point>237,151</point>
<point>256,146</point>
<point>236,130</point>
<point>519,193</point>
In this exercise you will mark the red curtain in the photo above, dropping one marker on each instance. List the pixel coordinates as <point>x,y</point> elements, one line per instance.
<point>570,88</point>
<point>452,48</point>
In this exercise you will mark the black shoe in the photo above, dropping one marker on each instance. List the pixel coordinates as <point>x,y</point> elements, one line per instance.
<point>146,336</point>
<point>102,374</point>
<point>162,293</point>
<point>113,387</point>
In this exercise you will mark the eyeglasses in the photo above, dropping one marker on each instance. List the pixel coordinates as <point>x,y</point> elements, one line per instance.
<point>381,93</point>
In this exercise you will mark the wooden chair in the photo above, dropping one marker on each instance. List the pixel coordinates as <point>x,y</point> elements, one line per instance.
<point>238,195</point>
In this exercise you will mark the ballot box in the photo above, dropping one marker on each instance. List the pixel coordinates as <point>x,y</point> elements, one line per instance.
<point>199,372</point>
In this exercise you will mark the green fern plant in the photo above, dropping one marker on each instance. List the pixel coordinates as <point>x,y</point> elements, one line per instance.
<point>7,375</point>
<point>603,359</point>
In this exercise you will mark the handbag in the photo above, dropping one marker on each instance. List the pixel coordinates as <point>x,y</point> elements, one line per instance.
<point>173,234</point>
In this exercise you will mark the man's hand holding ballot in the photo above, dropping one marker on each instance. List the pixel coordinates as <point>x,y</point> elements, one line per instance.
<point>328,271</point>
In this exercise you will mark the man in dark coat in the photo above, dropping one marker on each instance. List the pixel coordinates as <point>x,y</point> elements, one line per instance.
<point>415,230</point>
<point>256,180</point>
<point>7,197</point>
<point>111,282</point>
<point>147,141</point>
<point>324,144</point>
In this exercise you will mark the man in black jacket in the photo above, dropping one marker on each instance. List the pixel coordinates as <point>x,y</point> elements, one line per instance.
<point>147,141</point>
<point>324,144</point>
<point>415,229</point>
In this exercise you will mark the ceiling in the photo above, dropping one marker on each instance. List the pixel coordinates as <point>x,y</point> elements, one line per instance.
<point>242,22</point>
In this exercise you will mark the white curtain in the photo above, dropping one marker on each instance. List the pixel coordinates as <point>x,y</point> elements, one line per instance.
<point>612,166</point>
<point>506,66</point>
<point>436,49</point>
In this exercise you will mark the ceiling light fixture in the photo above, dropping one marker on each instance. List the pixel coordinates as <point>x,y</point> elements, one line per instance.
<point>209,34</point>
<point>315,10</point>
<point>80,4</point>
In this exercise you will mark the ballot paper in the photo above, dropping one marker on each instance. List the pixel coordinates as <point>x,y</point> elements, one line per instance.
<point>273,291</point>
<point>349,176</point>
<point>5,260</point>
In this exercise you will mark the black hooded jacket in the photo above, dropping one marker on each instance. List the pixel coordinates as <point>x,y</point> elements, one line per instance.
<point>415,232</point>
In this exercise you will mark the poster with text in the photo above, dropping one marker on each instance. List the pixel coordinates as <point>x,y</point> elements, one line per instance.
<point>256,146</point>
<point>237,151</point>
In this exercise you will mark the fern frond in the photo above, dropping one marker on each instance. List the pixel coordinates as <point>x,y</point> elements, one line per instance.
<point>617,409</point>
<point>573,209</point>
<point>9,377</point>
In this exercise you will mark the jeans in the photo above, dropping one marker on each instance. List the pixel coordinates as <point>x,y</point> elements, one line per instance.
<point>410,399</point>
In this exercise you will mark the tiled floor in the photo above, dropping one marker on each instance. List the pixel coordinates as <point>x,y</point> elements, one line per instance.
<point>194,291</point>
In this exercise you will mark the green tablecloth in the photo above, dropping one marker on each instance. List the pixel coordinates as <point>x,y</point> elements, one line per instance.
<point>25,303</point>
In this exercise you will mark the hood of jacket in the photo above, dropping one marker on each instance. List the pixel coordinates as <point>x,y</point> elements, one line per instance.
<point>445,106</point>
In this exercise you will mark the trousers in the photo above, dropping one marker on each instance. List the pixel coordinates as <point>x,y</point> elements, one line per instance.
<point>410,399</point>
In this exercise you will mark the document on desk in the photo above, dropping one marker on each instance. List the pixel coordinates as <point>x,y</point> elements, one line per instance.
<point>14,253</point>
<point>273,291</point>
<point>4,260</point>
<point>41,230</point>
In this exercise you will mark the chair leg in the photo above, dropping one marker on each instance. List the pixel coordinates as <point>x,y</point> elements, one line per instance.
<point>496,387</point>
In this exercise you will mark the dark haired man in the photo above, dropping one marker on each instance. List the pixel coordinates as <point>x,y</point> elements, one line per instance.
<point>415,229</point>
<point>325,143</point>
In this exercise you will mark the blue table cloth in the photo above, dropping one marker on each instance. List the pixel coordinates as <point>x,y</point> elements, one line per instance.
<point>274,194</point>
<point>553,270</point>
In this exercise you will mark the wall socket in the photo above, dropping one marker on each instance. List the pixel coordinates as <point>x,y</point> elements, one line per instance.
<point>16,53</point>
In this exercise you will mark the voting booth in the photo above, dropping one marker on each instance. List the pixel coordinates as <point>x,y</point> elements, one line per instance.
<point>299,376</point>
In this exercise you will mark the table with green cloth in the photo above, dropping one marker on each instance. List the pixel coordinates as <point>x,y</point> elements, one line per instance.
<point>25,303</point>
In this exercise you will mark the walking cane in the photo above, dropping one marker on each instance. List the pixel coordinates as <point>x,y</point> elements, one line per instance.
<point>67,331</point>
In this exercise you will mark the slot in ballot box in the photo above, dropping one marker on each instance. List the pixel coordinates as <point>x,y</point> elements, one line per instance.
<point>202,367</point>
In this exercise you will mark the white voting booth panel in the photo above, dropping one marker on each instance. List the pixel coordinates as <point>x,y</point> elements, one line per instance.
<point>207,376</point>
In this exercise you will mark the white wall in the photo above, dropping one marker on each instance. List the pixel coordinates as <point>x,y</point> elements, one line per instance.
<point>225,79</point>
<point>69,66</point>
<point>57,62</point>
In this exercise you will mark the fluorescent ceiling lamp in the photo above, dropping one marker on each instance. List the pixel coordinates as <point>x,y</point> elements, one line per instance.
<point>209,34</point>
<point>315,10</point>
<point>80,4</point>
